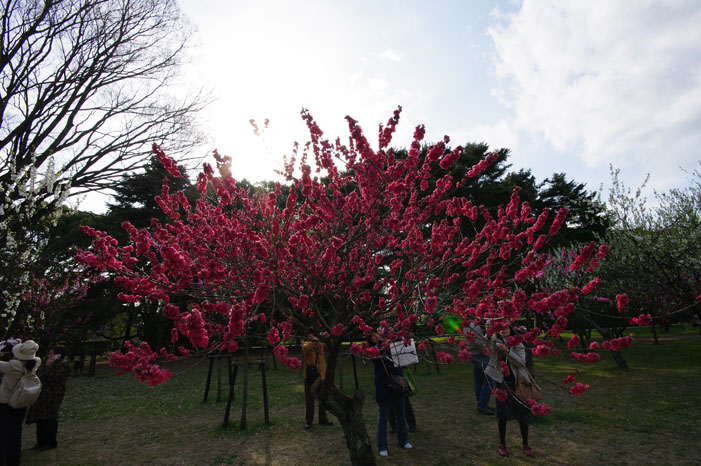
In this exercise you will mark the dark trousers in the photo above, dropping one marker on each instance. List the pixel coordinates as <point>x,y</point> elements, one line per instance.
<point>46,433</point>
<point>384,408</point>
<point>409,414</point>
<point>483,389</point>
<point>309,403</point>
<point>10,434</point>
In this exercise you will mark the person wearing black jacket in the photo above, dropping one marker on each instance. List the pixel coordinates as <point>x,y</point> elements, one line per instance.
<point>384,368</point>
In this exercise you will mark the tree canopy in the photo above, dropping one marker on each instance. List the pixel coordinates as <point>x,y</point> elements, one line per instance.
<point>373,240</point>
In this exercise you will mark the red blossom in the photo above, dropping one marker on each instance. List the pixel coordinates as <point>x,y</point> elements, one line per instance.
<point>589,287</point>
<point>464,355</point>
<point>430,304</point>
<point>642,320</point>
<point>504,368</point>
<point>500,394</point>
<point>293,363</point>
<point>540,409</point>
<point>337,330</point>
<point>445,358</point>
<point>617,344</point>
<point>621,301</point>
<point>579,389</point>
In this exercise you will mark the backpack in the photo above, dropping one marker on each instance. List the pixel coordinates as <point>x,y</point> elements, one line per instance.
<point>26,391</point>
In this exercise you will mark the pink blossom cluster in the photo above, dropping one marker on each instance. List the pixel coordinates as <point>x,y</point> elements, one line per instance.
<point>139,360</point>
<point>642,320</point>
<point>617,344</point>
<point>540,409</point>
<point>500,394</point>
<point>621,301</point>
<point>579,389</point>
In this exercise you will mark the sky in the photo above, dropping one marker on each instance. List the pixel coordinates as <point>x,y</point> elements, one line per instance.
<point>568,86</point>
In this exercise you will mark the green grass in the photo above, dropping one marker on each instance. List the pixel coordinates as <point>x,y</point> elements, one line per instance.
<point>645,415</point>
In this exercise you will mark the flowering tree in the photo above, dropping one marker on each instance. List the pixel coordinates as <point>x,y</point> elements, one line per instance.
<point>362,241</point>
<point>657,249</point>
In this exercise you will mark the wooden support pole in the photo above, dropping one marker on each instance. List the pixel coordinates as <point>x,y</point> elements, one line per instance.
<point>93,361</point>
<point>355,372</point>
<point>265,394</point>
<point>229,398</point>
<point>218,379</point>
<point>209,379</point>
<point>435,360</point>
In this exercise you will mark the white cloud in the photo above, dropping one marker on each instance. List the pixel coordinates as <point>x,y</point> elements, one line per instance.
<point>389,54</point>
<point>610,81</point>
<point>499,135</point>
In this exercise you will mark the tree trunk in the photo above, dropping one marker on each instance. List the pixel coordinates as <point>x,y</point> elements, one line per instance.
<point>348,411</point>
<point>654,334</point>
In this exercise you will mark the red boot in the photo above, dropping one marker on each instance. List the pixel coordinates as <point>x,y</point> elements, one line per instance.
<point>502,450</point>
<point>528,451</point>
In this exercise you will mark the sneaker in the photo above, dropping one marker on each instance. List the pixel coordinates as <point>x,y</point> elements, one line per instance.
<point>326,423</point>
<point>528,450</point>
<point>408,446</point>
<point>307,426</point>
<point>384,453</point>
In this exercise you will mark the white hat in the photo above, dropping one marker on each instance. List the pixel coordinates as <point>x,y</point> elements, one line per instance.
<point>25,351</point>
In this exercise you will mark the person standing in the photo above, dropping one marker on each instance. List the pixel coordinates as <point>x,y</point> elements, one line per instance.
<point>384,368</point>
<point>314,374</point>
<point>25,361</point>
<point>507,365</point>
<point>54,377</point>
<point>476,342</point>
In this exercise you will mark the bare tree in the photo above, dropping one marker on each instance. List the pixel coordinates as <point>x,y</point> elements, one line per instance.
<point>85,85</point>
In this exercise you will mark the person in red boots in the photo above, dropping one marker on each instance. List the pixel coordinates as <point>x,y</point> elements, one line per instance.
<point>506,366</point>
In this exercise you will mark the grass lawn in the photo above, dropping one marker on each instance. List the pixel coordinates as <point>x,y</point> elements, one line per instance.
<point>649,414</point>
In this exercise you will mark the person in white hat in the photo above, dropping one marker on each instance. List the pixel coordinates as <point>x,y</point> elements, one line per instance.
<point>11,418</point>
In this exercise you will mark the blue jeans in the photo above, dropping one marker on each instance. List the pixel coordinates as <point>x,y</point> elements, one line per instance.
<point>402,434</point>
<point>483,389</point>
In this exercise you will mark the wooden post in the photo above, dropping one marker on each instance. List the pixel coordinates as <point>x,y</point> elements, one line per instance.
<point>228,367</point>
<point>232,382</point>
<point>229,398</point>
<point>435,361</point>
<point>218,378</point>
<point>244,395</point>
<point>355,371</point>
<point>209,379</point>
<point>274,361</point>
<point>265,393</point>
<point>93,361</point>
